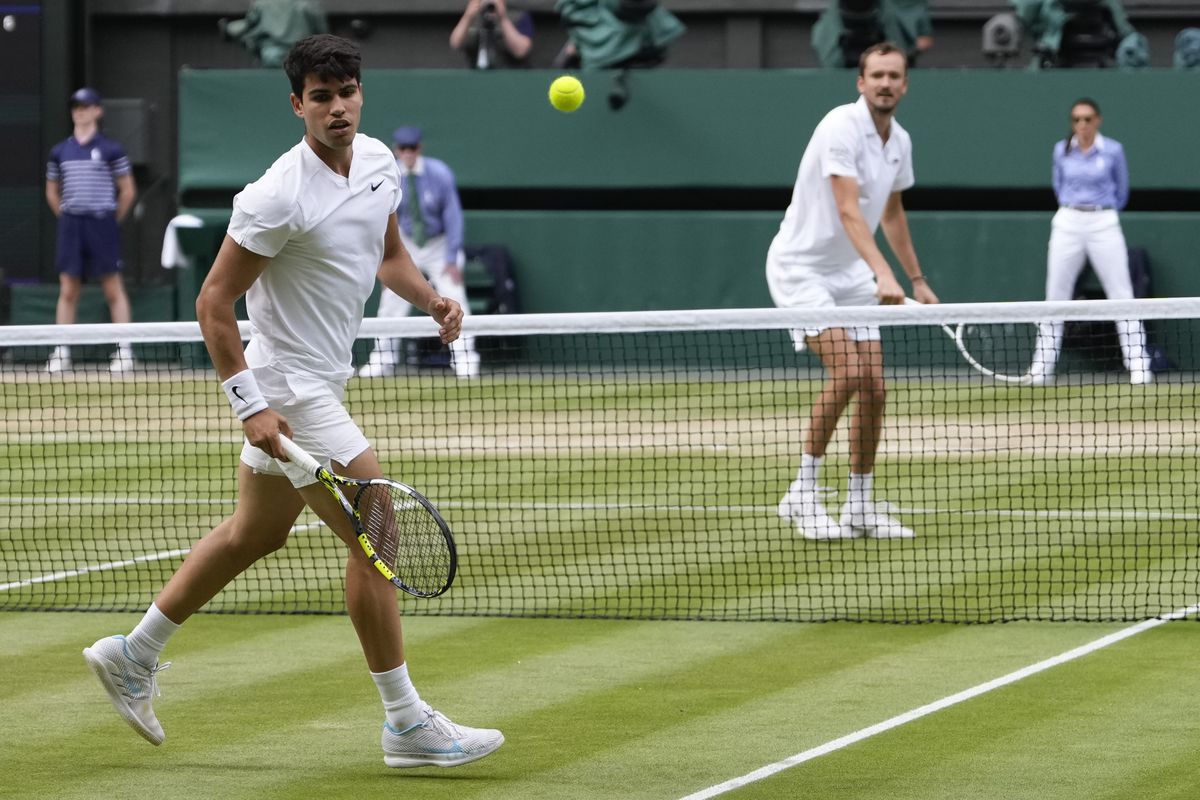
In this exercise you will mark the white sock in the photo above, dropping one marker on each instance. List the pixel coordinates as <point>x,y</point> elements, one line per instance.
<point>860,489</point>
<point>148,639</point>
<point>401,702</point>
<point>810,470</point>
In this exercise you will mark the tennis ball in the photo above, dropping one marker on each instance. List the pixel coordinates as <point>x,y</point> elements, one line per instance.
<point>566,93</point>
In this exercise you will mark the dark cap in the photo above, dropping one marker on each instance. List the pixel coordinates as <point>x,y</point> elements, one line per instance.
<point>407,136</point>
<point>85,97</point>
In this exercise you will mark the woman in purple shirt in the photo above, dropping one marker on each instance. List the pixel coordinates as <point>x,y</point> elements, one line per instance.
<point>1091,182</point>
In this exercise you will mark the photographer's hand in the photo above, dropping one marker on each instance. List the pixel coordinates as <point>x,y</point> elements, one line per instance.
<point>458,36</point>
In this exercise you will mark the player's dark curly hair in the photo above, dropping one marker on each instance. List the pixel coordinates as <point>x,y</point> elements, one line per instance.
<point>324,55</point>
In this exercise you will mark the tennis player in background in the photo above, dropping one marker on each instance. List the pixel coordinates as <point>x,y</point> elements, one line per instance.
<point>304,245</point>
<point>857,163</point>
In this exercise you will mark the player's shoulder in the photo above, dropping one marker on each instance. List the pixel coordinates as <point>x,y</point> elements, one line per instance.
<point>277,193</point>
<point>368,149</point>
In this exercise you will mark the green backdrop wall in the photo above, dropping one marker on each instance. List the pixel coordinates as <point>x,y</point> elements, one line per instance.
<point>716,129</point>
<point>977,128</point>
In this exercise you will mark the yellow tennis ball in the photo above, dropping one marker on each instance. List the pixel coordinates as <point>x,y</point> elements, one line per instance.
<point>566,94</point>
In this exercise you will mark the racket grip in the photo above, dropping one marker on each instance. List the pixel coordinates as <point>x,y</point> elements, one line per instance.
<point>297,455</point>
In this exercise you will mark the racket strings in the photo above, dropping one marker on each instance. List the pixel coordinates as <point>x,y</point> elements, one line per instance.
<point>406,537</point>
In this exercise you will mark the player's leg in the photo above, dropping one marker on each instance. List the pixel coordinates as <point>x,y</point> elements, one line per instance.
<point>862,514</point>
<point>266,511</point>
<point>127,665</point>
<point>802,505</point>
<point>385,352</point>
<point>803,502</point>
<point>448,280</point>
<point>414,734</point>
<point>1065,257</point>
<point>1109,256</point>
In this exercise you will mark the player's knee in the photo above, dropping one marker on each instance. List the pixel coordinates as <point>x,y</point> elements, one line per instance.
<point>258,540</point>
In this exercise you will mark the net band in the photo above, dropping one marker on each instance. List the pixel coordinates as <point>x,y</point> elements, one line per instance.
<point>647,321</point>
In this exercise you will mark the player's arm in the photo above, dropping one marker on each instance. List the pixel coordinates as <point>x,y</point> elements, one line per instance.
<point>398,273</point>
<point>126,195</point>
<point>845,195</point>
<point>233,273</point>
<point>895,227</point>
<point>54,196</point>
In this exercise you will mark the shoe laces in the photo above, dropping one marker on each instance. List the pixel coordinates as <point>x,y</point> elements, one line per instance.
<point>157,668</point>
<point>438,722</point>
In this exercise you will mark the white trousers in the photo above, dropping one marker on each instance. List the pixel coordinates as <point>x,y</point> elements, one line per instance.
<point>1077,237</point>
<point>430,258</point>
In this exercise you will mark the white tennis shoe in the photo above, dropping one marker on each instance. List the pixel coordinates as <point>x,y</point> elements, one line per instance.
<point>435,741</point>
<point>805,510</point>
<point>376,368</point>
<point>466,365</point>
<point>1141,377</point>
<point>131,686</point>
<point>874,520</point>
<point>59,361</point>
<point>122,361</point>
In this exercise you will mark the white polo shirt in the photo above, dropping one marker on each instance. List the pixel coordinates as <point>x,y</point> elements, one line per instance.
<point>324,234</point>
<point>846,143</point>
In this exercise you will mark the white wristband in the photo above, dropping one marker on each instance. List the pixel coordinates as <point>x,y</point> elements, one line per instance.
<point>244,395</point>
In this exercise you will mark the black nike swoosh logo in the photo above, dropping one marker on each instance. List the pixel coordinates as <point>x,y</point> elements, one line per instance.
<point>236,394</point>
<point>376,186</point>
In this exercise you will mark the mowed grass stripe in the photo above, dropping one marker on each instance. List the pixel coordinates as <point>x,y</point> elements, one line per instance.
<point>1118,724</point>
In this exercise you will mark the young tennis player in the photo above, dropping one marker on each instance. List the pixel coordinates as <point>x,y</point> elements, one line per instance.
<point>304,245</point>
<point>856,165</point>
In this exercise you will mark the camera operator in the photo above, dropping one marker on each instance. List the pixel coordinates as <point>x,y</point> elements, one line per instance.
<point>492,38</point>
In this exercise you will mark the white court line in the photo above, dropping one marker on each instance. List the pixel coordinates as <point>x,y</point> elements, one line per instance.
<point>1069,513</point>
<point>111,565</point>
<point>937,705</point>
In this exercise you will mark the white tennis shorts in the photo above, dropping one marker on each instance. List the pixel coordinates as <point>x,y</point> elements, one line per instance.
<point>809,287</point>
<point>320,424</point>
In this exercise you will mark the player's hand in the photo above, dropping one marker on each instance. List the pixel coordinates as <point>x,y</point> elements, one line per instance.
<point>923,294</point>
<point>449,315</point>
<point>263,429</point>
<point>888,290</point>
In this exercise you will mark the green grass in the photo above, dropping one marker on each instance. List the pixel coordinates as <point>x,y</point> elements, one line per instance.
<point>640,494</point>
<point>647,495</point>
<point>281,707</point>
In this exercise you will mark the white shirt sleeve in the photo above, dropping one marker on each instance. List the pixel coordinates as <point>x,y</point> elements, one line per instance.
<point>839,152</point>
<point>904,178</point>
<point>263,220</point>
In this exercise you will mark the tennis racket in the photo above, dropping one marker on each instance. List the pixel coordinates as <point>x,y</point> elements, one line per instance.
<point>399,529</point>
<point>1003,351</point>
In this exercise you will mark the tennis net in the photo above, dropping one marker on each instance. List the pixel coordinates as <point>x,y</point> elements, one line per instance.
<point>629,465</point>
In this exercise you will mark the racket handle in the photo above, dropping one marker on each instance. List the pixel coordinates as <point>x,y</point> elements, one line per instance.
<point>297,455</point>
